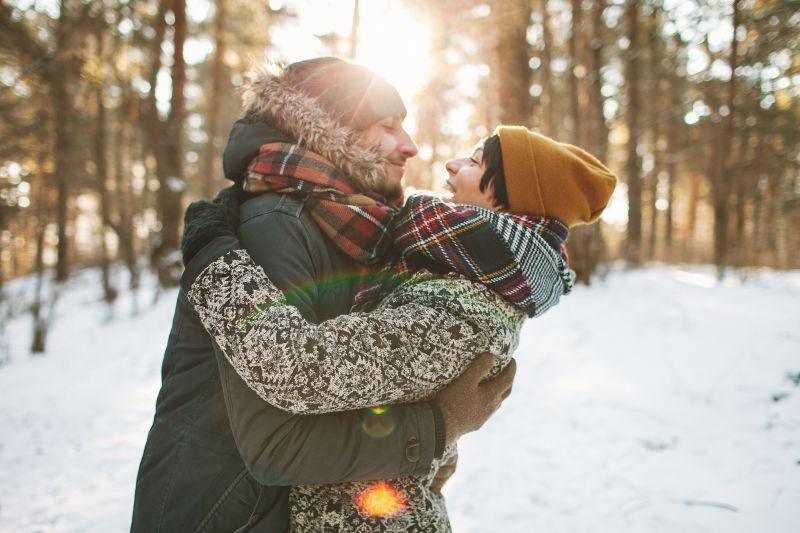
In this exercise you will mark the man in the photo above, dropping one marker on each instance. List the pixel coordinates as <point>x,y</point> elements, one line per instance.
<point>217,457</point>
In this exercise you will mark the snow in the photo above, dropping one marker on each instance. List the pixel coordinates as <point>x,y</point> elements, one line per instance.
<point>656,400</point>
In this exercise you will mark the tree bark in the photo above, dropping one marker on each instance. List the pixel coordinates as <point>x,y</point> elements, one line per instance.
<point>691,219</point>
<point>218,78</point>
<point>744,185</point>
<point>125,200</point>
<point>59,75</point>
<point>101,162</point>
<point>586,244</point>
<point>42,306</point>
<point>168,148</point>
<point>354,27</point>
<point>655,107</point>
<point>634,233</point>
<point>101,176</point>
<point>511,19</point>
<point>549,125</point>
<point>600,130</point>
<point>674,123</point>
<point>39,341</point>
<point>721,181</point>
<point>574,64</point>
<point>431,111</point>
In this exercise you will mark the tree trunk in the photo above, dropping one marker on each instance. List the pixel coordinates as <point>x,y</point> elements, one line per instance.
<point>634,233</point>
<point>675,96</point>
<point>744,184</point>
<point>39,341</point>
<point>42,306</point>
<point>109,292</point>
<point>721,181</point>
<point>574,64</point>
<point>169,152</point>
<point>511,19</point>
<point>586,244</point>
<point>101,163</point>
<point>218,78</point>
<point>431,111</point>
<point>600,130</point>
<point>549,121</point>
<point>171,189</point>
<point>655,100</point>
<point>59,75</point>
<point>123,227</point>
<point>670,161</point>
<point>691,219</point>
<point>354,27</point>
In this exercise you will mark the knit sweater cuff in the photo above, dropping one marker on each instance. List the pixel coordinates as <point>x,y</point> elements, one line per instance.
<point>440,431</point>
<point>209,253</point>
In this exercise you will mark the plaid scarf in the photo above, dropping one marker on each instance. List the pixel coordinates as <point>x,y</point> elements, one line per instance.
<point>357,222</point>
<point>503,251</point>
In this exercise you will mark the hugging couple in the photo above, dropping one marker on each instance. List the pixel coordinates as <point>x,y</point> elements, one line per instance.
<point>331,341</point>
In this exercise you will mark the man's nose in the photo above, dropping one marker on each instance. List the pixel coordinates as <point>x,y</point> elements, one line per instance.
<point>407,146</point>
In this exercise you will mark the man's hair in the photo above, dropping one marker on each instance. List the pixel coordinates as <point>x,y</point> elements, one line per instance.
<point>494,174</point>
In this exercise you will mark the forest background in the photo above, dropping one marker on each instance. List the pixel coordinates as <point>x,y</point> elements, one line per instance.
<point>114,114</point>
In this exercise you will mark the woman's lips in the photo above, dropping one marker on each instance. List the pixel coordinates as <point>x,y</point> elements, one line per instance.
<point>449,187</point>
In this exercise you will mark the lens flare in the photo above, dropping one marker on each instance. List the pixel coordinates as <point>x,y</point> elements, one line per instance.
<point>381,500</point>
<point>378,422</point>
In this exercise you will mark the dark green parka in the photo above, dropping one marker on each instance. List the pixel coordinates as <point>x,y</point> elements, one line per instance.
<point>217,457</point>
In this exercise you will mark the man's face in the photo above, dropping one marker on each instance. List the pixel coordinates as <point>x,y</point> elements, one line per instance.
<point>391,140</point>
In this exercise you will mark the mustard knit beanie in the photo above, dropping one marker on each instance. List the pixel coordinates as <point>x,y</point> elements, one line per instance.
<point>548,178</point>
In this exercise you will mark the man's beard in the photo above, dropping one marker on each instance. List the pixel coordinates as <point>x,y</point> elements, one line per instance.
<point>390,188</point>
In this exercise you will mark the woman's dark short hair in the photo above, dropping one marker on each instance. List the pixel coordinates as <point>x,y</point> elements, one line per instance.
<point>494,174</point>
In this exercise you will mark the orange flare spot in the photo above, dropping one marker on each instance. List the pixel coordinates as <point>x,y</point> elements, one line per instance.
<point>378,410</point>
<point>381,500</point>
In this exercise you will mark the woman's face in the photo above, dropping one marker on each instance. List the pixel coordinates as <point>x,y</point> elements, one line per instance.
<point>464,178</point>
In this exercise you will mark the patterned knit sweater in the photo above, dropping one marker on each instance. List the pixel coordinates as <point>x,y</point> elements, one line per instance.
<point>418,338</point>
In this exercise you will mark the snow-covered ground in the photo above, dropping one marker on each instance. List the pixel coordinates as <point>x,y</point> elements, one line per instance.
<point>655,401</point>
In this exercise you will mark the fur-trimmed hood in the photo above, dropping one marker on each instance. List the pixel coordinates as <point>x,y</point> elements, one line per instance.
<point>270,103</point>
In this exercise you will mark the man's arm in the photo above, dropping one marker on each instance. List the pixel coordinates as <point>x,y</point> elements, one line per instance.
<point>280,448</point>
<point>284,449</point>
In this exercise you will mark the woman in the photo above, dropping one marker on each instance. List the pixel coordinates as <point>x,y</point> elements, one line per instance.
<point>465,277</point>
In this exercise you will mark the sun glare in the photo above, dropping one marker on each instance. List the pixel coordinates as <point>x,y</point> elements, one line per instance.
<point>395,43</point>
<point>381,500</point>
<point>393,40</point>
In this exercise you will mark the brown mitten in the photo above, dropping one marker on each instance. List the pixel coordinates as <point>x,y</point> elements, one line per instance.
<point>467,402</point>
